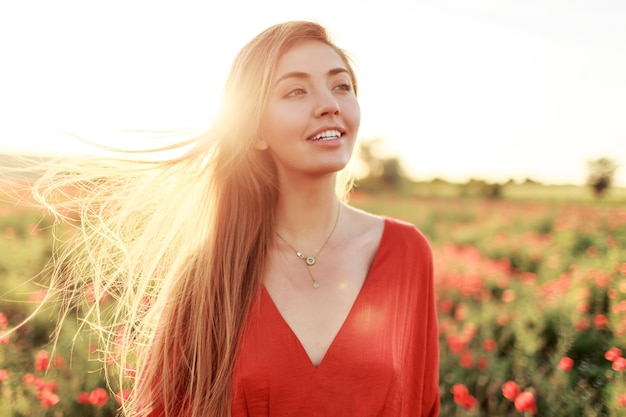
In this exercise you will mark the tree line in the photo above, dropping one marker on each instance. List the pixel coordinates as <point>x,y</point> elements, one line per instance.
<point>384,170</point>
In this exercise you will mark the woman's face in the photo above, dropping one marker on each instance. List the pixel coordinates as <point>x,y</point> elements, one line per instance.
<point>312,114</point>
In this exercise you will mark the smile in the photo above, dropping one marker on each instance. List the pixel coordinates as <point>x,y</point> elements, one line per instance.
<point>327,135</point>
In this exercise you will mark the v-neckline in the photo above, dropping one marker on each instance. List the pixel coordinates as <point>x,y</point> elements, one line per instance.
<point>348,317</point>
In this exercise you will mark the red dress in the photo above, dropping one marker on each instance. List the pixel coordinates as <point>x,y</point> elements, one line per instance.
<point>383,362</point>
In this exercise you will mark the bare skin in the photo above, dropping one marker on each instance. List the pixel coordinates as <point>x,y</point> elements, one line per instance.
<point>316,315</point>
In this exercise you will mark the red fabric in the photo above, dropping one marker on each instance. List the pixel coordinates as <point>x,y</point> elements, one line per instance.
<point>383,362</point>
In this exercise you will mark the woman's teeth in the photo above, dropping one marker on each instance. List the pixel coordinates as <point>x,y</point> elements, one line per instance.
<point>327,135</point>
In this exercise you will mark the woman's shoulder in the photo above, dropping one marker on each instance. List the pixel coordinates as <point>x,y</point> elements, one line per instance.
<point>404,231</point>
<point>390,230</point>
<point>366,229</point>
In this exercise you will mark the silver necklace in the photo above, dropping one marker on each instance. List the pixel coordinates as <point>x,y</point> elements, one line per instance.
<point>310,260</point>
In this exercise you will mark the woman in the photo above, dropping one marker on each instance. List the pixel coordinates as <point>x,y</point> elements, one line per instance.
<point>245,286</point>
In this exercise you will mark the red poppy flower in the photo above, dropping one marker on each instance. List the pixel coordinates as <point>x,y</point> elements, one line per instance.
<point>508,296</point>
<point>489,345</point>
<point>463,397</point>
<point>42,360</point>
<point>82,398</point>
<point>612,354</point>
<point>619,364</point>
<point>59,361</point>
<point>52,386</point>
<point>466,360</point>
<point>122,396</point>
<point>98,397</point>
<point>566,364</point>
<point>510,390</point>
<point>469,402</point>
<point>459,391</point>
<point>600,320</point>
<point>28,379</point>
<point>581,324</point>
<point>482,363</point>
<point>525,401</point>
<point>47,398</point>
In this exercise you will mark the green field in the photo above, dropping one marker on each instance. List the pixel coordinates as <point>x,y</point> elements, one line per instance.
<point>531,294</point>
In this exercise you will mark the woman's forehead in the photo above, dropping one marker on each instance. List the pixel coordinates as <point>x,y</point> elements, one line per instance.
<point>309,57</point>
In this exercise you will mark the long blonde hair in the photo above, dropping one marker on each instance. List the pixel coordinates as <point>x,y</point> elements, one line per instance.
<point>180,244</point>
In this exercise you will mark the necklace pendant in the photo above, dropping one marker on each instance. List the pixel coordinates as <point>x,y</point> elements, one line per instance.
<point>315,284</point>
<point>310,261</point>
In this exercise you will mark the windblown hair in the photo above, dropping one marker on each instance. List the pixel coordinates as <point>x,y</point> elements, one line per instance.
<point>180,244</point>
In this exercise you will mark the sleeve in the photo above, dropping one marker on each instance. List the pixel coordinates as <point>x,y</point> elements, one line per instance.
<point>431,395</point>
<point>422,355</point>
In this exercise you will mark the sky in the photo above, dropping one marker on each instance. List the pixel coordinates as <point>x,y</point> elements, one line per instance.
<point>459,89</point>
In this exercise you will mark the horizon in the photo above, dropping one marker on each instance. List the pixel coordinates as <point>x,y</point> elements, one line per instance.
<point>487,90</point>
<point>9,160</point>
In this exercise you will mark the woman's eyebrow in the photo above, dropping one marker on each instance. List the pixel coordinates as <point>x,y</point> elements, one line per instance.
<point>305,75</point>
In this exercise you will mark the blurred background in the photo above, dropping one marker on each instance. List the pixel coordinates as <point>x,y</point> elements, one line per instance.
<point>496,127</point>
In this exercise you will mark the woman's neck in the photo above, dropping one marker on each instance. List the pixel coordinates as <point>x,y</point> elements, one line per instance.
<point>306,213</point>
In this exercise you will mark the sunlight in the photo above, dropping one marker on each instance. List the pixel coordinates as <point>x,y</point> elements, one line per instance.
<point>458,90</point>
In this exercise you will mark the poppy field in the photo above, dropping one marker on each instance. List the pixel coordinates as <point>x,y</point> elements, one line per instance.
<point>531,296</point>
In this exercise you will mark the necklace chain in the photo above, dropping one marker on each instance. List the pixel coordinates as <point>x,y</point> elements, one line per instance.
<point>310,260</point>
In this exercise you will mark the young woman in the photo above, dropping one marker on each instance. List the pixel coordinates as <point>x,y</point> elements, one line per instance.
<point>245,285</point>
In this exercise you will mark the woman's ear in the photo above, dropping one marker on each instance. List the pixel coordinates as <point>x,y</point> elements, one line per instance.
<point>261,144</point>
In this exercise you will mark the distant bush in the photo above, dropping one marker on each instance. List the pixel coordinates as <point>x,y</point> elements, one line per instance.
<point>601,173</point>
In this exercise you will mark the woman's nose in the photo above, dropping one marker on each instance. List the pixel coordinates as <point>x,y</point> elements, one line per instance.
<point>327,105</point>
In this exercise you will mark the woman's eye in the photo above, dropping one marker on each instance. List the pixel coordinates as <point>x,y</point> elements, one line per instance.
<point>296,92</point>
<point>344,87</point>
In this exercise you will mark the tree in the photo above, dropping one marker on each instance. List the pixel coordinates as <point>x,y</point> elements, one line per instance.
<point>369,153</point>
<point>601,173</point>
<point>384,169</point>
